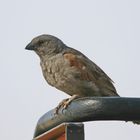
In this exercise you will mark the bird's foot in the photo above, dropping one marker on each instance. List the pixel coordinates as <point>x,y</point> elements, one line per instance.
<point>62,104</point>
<point>65,103</point>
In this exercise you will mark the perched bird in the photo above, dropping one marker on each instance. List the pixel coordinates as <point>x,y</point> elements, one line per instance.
<point>69,70</point>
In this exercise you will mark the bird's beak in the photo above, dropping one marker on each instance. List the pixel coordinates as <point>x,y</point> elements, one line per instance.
<point>30,47</point>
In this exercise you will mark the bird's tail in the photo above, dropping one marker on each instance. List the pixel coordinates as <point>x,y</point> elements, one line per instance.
<point>136,122</point>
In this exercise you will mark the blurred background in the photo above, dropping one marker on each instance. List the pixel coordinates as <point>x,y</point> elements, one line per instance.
<point>107,31</point>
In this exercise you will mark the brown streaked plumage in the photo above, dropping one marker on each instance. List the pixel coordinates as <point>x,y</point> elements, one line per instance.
<point>69,70</point>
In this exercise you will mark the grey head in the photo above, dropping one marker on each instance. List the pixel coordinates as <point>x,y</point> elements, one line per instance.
<point>46,45</point>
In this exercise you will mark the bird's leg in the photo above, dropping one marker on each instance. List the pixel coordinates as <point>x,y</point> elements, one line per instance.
<point>70,100</point>
<point>64,103</point>
<point>61,104</point>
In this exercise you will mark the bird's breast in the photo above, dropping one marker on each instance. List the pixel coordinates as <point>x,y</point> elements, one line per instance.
<point>52,72</point>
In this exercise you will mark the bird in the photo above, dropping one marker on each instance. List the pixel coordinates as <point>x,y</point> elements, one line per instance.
<point>69,70</point>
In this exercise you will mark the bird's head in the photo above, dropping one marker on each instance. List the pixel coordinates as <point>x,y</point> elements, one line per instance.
<point>45,45</point>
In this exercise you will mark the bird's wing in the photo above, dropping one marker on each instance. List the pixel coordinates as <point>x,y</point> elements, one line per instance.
<point>89,71</point>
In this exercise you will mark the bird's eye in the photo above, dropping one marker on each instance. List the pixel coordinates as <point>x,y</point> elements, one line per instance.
<point>40,42</point>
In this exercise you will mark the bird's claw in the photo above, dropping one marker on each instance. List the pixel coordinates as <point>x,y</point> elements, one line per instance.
<point>63,104</point>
